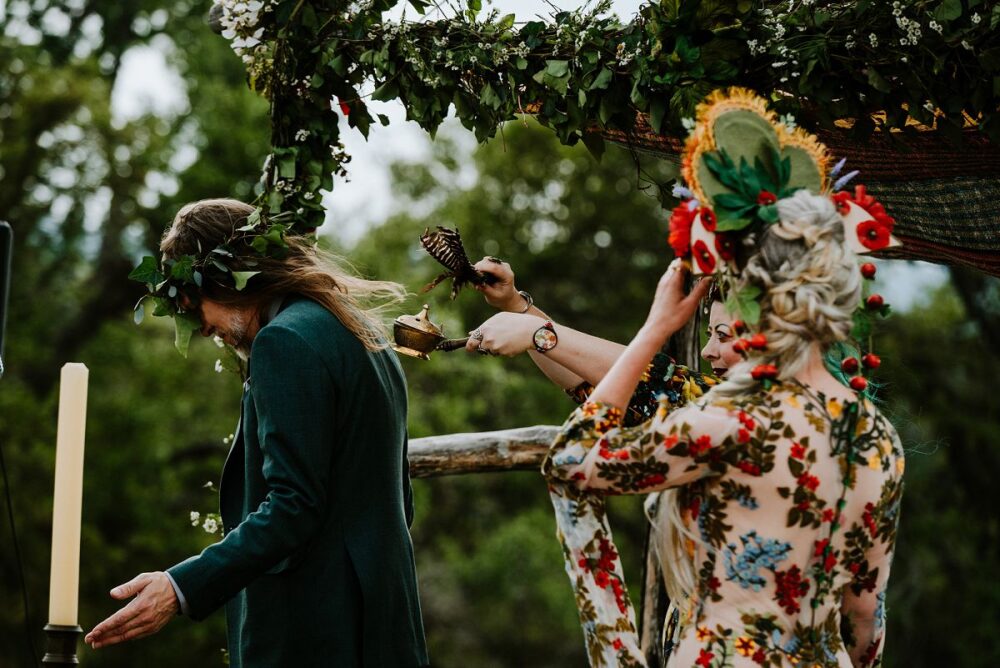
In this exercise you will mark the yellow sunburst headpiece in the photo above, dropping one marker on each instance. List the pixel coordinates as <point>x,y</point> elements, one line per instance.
<point>739,160</point>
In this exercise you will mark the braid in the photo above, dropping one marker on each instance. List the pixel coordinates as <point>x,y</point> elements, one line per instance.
<point>811,287</point>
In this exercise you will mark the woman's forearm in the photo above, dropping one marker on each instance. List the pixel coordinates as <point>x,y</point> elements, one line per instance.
<point>620,381</point>
<point>553,370</point>
<point>587,358</point>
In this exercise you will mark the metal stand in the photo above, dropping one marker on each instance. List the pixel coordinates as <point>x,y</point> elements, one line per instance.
<point>60,645</point>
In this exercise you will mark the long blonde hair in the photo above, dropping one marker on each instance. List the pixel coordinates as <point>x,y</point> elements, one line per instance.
<point>302,269</point>
<point>811,286</point>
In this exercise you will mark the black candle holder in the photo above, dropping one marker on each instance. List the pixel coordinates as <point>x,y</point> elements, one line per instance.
<point>60,645</point>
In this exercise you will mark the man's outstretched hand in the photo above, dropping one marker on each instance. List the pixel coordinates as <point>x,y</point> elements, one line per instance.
<point>155,603</point>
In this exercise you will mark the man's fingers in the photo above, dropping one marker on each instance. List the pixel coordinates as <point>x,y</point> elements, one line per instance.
<point>121,635</point>
<point>123,616</point>
<point>130,588</point>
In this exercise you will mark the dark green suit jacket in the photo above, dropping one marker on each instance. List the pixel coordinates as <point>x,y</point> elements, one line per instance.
<point>316,567</point>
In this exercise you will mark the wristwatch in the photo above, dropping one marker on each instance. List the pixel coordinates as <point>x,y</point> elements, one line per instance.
<point>545,338</point>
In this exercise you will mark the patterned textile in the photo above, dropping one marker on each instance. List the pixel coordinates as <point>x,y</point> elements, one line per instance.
<point>663,378</point>
<point>583,529</point>
<point>795,498</point>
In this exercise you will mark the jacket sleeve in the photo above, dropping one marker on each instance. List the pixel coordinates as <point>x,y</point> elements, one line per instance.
<point>293,393</point>
<point>407,484</point>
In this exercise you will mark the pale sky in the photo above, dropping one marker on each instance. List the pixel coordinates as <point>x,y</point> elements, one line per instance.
<point>147,82</point>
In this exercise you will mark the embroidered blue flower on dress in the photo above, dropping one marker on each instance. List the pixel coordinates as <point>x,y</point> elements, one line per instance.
<point>880,611</point>
<point>744,568</point>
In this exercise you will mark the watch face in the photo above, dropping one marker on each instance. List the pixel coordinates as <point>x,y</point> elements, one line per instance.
<point>545,339</point>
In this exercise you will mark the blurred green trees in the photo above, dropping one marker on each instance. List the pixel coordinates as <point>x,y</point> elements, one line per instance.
<point>87,194</point>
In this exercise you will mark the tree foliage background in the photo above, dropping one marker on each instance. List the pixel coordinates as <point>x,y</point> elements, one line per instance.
<point>87,193</point>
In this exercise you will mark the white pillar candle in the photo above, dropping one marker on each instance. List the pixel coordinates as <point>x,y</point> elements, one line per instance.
<point>64,581</point>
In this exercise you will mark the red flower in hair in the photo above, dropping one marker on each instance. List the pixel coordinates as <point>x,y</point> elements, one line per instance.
<point>344,108</point>
<point>725,246</point>
<point>765,197</point>
<point>707,218</point>
<point>704,258</point>
<point>873,235</point>
<point>840,200</point>
<point>681,219</point>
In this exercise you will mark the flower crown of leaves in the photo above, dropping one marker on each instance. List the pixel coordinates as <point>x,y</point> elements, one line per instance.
<point>231,264</point>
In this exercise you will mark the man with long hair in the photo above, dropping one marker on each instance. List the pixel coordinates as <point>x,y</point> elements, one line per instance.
<point>316,565</point>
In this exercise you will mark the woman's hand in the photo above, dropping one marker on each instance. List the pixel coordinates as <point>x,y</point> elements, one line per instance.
<point>502,295</point>
<point>671,307</point>
<point>504,334</point>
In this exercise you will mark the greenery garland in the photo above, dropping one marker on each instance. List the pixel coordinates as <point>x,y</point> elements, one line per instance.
<point>926,61</point>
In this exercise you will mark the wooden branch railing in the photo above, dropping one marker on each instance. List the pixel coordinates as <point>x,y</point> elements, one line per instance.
<point>506,450</point>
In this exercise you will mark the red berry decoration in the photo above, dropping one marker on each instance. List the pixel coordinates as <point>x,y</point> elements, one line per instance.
<point>764,372</point>
<point>874,302</point>
<point>859,383</point>
<point>758,342</point>
<point>849,365</point>
<point>871,361</point>
<point>741,346</point>
<point>739,326</point>
<point>868,270</point>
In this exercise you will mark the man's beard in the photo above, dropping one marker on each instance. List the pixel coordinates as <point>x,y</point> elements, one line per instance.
<point>237,332</point>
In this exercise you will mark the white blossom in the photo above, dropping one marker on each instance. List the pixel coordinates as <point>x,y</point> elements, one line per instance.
<point>976,18</point>
<point>218,366</point>
<point>195,518</point>
<point>210,525</point>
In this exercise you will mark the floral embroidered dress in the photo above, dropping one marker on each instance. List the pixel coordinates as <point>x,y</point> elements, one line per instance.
<point>795,499</point>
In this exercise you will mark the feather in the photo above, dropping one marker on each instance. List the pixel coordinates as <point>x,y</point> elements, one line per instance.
<point>445,246</point>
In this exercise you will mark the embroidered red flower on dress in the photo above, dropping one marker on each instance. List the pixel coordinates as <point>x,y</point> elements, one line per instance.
<point>808,481</point>
<point>790,586</point>
<point>705,658</point>
<point>798,451</point>
<point>821,546</point>
<point>701,445</point>
<point>651,481</point>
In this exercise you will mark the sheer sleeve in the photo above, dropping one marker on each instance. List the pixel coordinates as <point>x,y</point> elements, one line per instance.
<point>863,606</point>
<point>663,380</point>
<point>594,452</point>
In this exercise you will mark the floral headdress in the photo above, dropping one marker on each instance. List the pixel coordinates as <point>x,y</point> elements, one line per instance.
<point>739,161</point>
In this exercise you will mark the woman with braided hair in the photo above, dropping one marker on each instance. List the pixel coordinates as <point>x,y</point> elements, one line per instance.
<point>777,536</point>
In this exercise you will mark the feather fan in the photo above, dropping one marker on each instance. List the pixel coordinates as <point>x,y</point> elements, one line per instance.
<point>445,246</point>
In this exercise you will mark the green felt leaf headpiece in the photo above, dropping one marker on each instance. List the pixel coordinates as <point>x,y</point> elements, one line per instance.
<point>172,283</point>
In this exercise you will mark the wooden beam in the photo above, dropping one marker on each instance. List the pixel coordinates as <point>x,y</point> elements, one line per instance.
<point>482,452</point>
